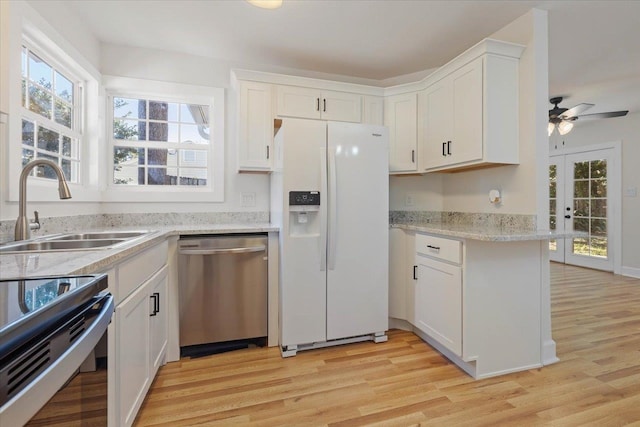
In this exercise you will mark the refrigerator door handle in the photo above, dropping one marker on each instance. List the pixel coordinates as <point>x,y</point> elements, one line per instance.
<point>333,209</point>
<point>323,209</point>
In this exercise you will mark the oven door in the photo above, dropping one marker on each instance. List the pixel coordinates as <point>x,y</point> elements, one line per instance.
<point>50,371</point>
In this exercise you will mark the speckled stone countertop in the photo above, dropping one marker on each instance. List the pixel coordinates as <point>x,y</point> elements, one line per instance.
<point>48,264</point>
<point>486,233</point>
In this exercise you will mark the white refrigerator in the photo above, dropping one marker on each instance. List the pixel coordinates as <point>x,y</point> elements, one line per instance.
<point>330,197</point>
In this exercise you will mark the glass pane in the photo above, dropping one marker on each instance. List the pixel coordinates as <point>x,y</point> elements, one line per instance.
<point>599,188</point>
<point>581,224</point>
<point>64,87</point>
<point>39,71</point>
<point>157,157</point>
<point>553,170</point>
<point>39,101</point>
<point>552,189</point>
<point>158,176</point>
<point>129,108</point>
<point>27,156</point>
<point>599,247</point>
<point>63,114</point>
<point>66,169</point>
<point>159,131</point>
<point>192,113</point>
<point>599,169</point>
<point>599,227</point>
<point>552,207</point>
<point>193,176</point>
<point>23,93</point>
<point>159,110</point>
<point>580,246</point>
<point>581,170</point>
<point>553,245</point>
<point>552,223</point>
<point>194,134</point>
<point>46,171</point>
<point>127,175</point>
<point>599,208</point>
<point>197,158</point>
<point>66,146</point>
<point>27,133</point>
<point>48,140</point>
<point>581,207</point>
<point>129,129</point>
<point>128,156</point>
<point>581,189</point>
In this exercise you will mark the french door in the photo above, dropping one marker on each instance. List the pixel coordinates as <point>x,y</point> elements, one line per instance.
<point>580,200</point>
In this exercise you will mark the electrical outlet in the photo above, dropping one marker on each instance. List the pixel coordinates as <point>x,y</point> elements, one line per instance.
<point>248,200</point>
<point>631,192</point>
<point>408,200</point>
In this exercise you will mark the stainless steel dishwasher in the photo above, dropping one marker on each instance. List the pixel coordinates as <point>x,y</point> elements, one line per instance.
<point>222,288</point>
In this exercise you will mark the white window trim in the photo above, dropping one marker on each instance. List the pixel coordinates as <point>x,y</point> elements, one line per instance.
<point>172,92</point>
<point>36,33</point>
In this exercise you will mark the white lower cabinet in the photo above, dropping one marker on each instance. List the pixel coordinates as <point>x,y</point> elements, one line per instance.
<point>438,302</point>
<point>138,332</point>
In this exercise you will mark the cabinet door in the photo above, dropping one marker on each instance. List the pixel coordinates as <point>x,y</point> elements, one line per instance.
<point>438,302</point>
<point>255,126</point>
<point>467,136</point>
<point>373,110</point>
<point>436,108</point>
<point>341,107</point>
<point>298,102</point>
<point>158,288</point>
<point>400,116</point>
<point>132,354</point>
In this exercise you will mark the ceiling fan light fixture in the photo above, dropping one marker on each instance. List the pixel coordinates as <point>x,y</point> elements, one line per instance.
<point>550,128</point>
<point>266,4</point>
<point>565,127</point>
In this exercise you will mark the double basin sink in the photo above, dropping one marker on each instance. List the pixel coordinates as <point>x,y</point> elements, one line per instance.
<point>74,241</point>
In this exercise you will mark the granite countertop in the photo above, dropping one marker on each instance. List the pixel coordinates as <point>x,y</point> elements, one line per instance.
<point>47,264</point>
<point>485,233</point>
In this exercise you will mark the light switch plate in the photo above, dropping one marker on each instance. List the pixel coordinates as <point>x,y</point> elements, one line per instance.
<point>408,199</point>
<point>631,192</point>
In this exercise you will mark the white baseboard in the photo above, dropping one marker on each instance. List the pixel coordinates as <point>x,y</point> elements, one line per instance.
<point>630,272</point>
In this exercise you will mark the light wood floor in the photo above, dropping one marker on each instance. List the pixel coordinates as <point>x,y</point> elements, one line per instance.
<point>596,325</point>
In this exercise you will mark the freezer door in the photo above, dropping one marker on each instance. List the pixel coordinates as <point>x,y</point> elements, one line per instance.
<point>303,241</point>
<point>358,230</point>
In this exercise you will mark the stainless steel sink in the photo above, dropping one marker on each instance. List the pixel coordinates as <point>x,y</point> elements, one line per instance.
<point>74,242</point>
<point>102,235</point>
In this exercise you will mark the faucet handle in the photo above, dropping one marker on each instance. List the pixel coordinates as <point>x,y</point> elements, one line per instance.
<point>35,225</point>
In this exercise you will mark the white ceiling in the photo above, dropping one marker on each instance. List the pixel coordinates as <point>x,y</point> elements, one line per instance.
<point>594,45</point>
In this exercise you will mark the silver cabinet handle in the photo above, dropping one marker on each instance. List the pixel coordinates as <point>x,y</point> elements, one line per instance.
<point>222,251</point>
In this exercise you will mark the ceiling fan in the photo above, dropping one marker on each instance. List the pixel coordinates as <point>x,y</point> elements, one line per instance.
<point>563,118</point>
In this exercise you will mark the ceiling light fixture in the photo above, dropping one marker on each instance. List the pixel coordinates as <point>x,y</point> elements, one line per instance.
<point>266,4</point>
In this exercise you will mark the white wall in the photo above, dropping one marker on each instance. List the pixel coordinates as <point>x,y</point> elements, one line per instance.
<point>627,130</point>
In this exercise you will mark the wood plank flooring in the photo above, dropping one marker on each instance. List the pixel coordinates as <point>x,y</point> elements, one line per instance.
<point>596,325</point>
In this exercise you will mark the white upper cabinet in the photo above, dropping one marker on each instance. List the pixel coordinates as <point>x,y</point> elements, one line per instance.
<point>373,110</point>
<point>255,126</point>
<point>309,103</point>
<point>400,116</point>
<point>469,118</point>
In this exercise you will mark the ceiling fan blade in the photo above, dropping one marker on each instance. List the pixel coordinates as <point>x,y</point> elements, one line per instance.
<point>602,115</point>
<point>577,110</point>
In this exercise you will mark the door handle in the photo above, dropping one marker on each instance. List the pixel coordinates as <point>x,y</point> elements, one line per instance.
<point>444,144</point>
<point>567,216</point>
<point>317,104</point>
<point>154,297</point>
<point>413,156</point>
<point>324,105</point>
<point>415,267</point>
<point>448,148</point>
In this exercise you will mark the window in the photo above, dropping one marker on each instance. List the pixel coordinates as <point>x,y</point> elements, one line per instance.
<point>165,141</point>
<point>50,116</point>
<point>158,142</point>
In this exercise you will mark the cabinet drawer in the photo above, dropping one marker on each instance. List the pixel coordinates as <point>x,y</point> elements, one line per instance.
<point>439,248</point>
<point>135,271</point>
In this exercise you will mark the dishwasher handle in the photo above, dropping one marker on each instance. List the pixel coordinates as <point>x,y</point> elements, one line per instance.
<point>209,251</point>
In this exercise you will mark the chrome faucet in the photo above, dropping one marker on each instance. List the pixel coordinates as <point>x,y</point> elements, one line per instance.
<point>23,225</point>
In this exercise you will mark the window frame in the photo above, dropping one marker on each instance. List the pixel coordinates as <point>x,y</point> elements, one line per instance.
<point>125,87</point>
<point>78,123</point>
